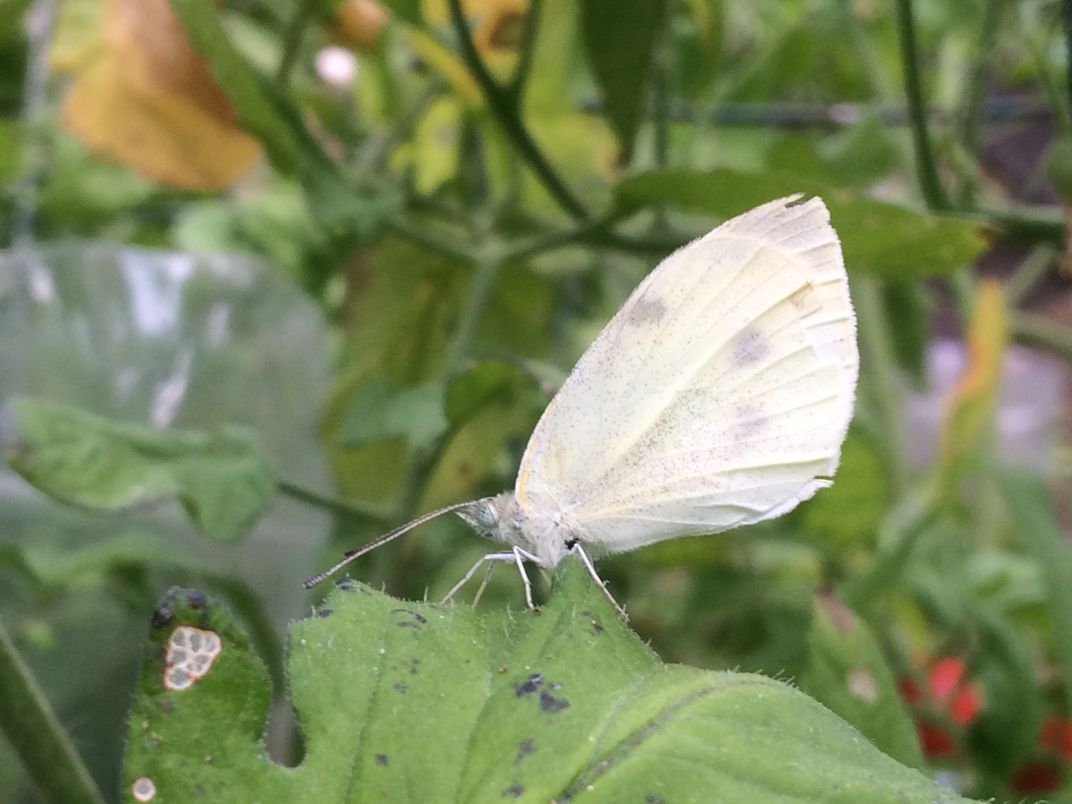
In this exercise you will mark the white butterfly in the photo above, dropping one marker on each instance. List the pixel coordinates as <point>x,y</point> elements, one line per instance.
<point>717,396</point>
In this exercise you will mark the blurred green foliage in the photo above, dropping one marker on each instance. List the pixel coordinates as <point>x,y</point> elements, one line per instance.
<point>462,214</point>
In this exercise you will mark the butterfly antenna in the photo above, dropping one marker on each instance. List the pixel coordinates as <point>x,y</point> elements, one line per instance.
<point>391,535</point>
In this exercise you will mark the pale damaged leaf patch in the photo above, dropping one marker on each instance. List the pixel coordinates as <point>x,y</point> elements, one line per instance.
<point>410,702</point>
<point>191,652</point>
<point>143,789</point>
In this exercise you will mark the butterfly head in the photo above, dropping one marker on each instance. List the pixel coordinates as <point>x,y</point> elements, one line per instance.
<point>502,519</point>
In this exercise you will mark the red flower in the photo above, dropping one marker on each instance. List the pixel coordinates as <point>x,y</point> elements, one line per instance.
<point>1056,735</point>
<point>950,697</point>
<point>935,740</point>
<point>1035,777</point>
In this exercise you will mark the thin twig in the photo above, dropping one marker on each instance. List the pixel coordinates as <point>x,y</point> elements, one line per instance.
<point>292,39</point>
<point>926,168</point>
<point>507,114</point>
<point>332,504</point>
<point>41,21</point>
<point>515,90</point>
<point>1032,329</point>
<point>877,347</point>
<point>480,287</point>
<point>35,733</point>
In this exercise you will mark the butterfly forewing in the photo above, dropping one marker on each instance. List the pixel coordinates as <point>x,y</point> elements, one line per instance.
<point>718,396</point>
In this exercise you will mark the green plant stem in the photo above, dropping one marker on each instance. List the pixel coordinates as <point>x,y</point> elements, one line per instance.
<point>292,39</point>
<point>516,88</point>
<point>1066,19</point>
<point>332,504</point>
<point>508,115</point>
<point>487,271</point>
<point>975,93</point>
<point>1027,223</point>
<point>900,532</point>
<point>41,21</point>
<point>1040,332</point>
<point>431,240</point>
<point>926,168</point>
<point>1028,273</point>
<point>35,733</point>
<point>376,151</point>
<point>878,356</point>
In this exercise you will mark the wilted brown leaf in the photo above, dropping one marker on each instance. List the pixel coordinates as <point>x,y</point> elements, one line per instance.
<point>150,102</point>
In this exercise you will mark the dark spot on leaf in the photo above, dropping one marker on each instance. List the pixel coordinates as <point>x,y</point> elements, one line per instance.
<point>162,615</point>
<point>415,620</point>
<point>549,703</point>
<point>413,666</point>
<point>596,625</point>
<point>324,612</point>
<point>529,685</point>
<point>196,598</point>
<point>524,748</point>
<point>513,791</point>
<point>401,686</point>
<point>381,759</point>
<point>346,584</point>
<point>651,798</point>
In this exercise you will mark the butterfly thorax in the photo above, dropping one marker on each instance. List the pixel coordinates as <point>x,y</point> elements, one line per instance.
<point>501,518</point>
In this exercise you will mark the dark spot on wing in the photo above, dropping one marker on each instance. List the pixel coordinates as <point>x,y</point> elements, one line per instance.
<point>750,420</point>
<point>513,791</point>
<point>750,347</point>
<point>529,685</point>
<point>412,620</point>
<point>381,759</point>
<point>646,310</point>
<point>524,748</point>
<point>549,703</point>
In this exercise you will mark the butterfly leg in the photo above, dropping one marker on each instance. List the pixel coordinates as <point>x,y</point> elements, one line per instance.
<point>483,584</point>
<point>516,555</point>
<point>588,565</point>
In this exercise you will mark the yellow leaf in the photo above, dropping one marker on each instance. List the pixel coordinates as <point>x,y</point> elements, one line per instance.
<point>971,404</point>
<point>150,102</point>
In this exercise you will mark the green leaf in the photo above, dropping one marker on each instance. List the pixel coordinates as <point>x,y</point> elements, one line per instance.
<point>619,42</point>
<point>849,512</point>
<point>480,385</point>
<point>1007,729</point>
<point>1058,162</point>
<point>412,702</point>
<point>222,478</point>
<point>1035,523</point>
<point>847,672</point>
<point>378,412</point>
<point>877,237</point>
<point>408,10</point>
<point>908,307</point>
